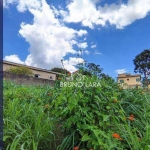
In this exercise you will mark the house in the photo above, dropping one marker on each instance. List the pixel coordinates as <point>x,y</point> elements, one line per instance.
<point>129,81</point>
<point>37,72</point>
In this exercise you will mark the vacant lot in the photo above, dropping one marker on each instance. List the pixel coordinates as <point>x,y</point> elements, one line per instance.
<point>48,118</point>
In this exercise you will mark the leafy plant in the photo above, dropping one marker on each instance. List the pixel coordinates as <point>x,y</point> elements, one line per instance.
<point>21,70</point>
<point>102,112</point>
<point>78,114</point>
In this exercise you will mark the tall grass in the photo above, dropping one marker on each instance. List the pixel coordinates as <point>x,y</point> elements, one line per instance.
<point>28,123</point>
<point>54,118</point>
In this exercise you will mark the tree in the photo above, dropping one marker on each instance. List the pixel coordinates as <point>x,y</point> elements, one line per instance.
<point>94,69</point>
<point>90,69</point>
<point>107,77</point>
<point>142,64</point>
<point>60,70</point>
<point>21,70</point>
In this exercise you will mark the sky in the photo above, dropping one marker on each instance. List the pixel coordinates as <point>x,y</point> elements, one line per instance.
<point>110,33</point>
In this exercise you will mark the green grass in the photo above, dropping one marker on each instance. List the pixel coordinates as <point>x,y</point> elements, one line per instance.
<point>28,124</point>
<point>53,118</point>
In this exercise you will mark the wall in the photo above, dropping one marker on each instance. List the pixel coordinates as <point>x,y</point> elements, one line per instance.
<point>44,75</point>
<point>27,80</point>
<point>130,81</point>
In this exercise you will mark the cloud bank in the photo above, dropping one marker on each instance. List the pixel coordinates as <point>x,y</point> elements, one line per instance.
<point>51,40</point>
<point>120,15</point>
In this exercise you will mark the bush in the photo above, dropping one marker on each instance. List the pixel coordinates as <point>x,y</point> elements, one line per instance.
<point>97,117</point>
<point>20,71</point>
<point>103,117</point>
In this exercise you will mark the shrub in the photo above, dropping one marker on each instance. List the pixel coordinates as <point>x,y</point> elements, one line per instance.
<point>102,117</point>
<point>21,70</point>
<point>86,117</point>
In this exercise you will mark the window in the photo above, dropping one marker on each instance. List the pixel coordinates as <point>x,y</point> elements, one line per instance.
<point>36,75</point>
<point>137,79</point>
<point>51,77</point>
<point>121,81</point>
<point>127,79</point>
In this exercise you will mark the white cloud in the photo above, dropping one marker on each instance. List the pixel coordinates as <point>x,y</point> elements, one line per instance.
<point>87,52</point>
<point>93,46</point>
<point>124,14</point>
<point>83,11</point>
<point>120,71</point>
<point>13,58</point>
<point>23,5</point>
<point>82,45</point>
<point>120,15</point>
<point>75,61</point>
<point>73,42</point>
<point>82,32</point>
<point>87,23</point>
<point>86,11</point>
<point>7,2</point>
<point>49,39</point>
<point>71,63</point>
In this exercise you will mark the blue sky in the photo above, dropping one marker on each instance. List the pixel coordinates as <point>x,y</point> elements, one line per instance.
<point>42,32</point>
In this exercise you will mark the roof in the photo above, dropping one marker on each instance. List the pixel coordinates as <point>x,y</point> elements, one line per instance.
<point>30,67</point>
<point>128,75</point>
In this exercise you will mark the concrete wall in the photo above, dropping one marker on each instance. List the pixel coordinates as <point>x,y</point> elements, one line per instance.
<point>27,80</point>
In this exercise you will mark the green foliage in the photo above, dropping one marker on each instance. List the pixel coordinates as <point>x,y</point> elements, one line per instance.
<point>107,77</point>
<point>28,123</point>
<point>90,117</point>
<point>61,71</point>
<point>142,65</point>
<point>101,111</point>
<point>21,70</point>
<point>145,82</point>
<point>90,69</point>
<point>142,62</point>
<point>94,69</point>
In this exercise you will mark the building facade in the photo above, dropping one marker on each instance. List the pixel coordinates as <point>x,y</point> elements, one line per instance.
<point>129,81</point>
<point>37,72</point>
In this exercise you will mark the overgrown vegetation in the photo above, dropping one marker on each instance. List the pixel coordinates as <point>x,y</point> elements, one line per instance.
<point>76,117</point>
<point>28,123</point>
<point>21,70</point>
<point>104,117</point>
